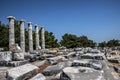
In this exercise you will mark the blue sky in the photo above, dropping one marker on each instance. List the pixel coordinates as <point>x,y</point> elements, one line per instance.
<point>97,19</point>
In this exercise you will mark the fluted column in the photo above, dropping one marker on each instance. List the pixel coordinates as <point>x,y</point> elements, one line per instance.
<point>30,36</point>
<point>42,38</point>
<point>22,35</point>
<point>37,37</point>
<point>11,31</point>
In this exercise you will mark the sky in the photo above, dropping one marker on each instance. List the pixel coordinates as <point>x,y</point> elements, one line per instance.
<point>99,20</point>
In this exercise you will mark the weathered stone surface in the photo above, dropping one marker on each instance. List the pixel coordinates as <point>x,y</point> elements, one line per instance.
<point>18,56</point>
<point>42,38</point>
<point>91,56</point>
<point>39,63</point>
<point>22,72</point>
<point>113,59</point>
<point>6,56</point>
<point>17,63</point>
<point>55,69</point>
<point>15,48</point>
<point>16,52</point>
<point>3,72</point>
<point>30,36</point>
<point>11,31</point>
<point>22,35</point>
<point>80,73</point>
<point>87,63</point>
<point>37,37</point>
<point>38,77</point>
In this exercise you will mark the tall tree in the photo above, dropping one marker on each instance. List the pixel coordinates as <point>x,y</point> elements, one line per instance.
<point>69,40</point>
<point>50,41</point>
<point>4,36</point>
<point>102,44</point>
<point>110,43</point>
<point>113,43</point>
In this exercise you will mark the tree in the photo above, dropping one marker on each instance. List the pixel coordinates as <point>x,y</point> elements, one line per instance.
<point>85,42</point>
<point>4,36</point>
<point>110,43</point>
<point>102,44</point>
<point>113,43</point>
<point>50,41</point>
<point>71,41</point>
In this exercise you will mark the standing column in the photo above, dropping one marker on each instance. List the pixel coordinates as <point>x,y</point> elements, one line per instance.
<point>30,36</point>
<point>37,37</point>
<point>42,38</point>
<point>11,31</point>
<point>22,35</point>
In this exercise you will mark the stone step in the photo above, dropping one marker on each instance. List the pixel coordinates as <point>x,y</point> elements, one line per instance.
<point>22,72</point>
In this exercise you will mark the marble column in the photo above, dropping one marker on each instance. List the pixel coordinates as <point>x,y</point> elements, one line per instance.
<point>30,36</point>
<point>42,38</point>
<point>37,37</point>
<point>22,35</point>
<point>11,31</point>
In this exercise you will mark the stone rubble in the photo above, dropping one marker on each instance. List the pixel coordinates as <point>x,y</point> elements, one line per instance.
<point>22,72</point>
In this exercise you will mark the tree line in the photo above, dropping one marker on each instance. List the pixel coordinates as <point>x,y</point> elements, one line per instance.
<point>110,43</point>
<point>68,40</point>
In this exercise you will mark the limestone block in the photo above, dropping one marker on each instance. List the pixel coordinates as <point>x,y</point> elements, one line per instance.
<point>6,56</point>
<point>17,63</point>
<point>22,72</point>
<point>38,77</point>
<point>51,70</point>
<point>18,56</point>
<point>15,48</point>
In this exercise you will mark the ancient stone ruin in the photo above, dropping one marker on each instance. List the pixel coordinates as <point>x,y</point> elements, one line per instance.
<point>62,64</point>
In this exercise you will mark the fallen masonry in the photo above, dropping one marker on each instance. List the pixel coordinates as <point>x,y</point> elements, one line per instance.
<point>22,72</point>
<point>97,56</point>
<point>87,63</point>
<point>38,77</point>
<point>117,68</point>
<point>80,73</point>
<point>5,56</point>
<point>51,70</point>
